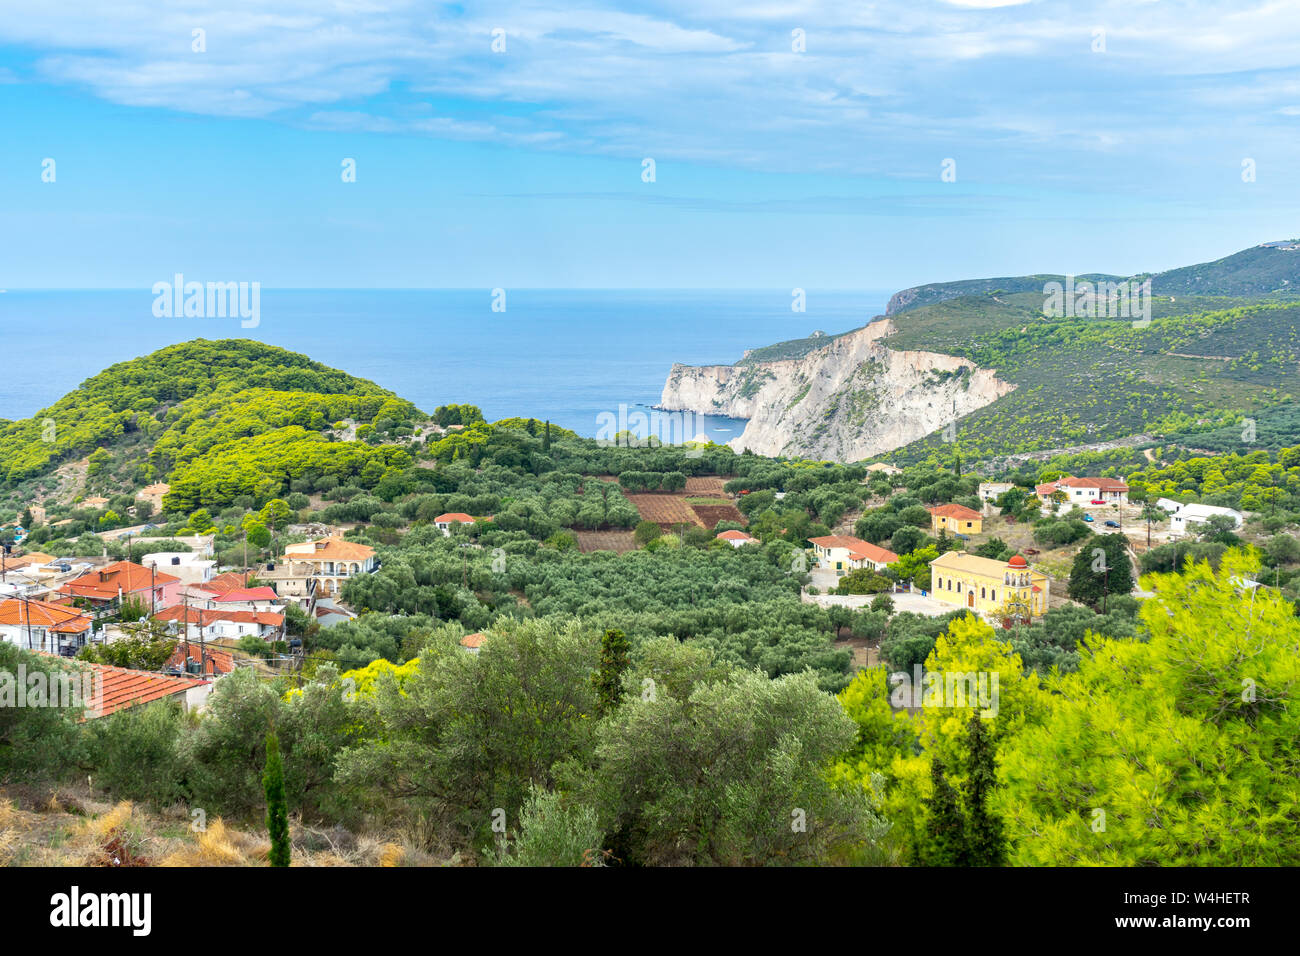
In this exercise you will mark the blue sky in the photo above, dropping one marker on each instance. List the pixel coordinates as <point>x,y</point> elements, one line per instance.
<point>1090,136</point>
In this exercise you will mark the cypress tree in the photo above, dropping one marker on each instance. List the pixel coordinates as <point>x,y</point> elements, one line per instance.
<point>277,816</point>
<point>945,826</point>
<point>614,659</point>
<point>985,833</point>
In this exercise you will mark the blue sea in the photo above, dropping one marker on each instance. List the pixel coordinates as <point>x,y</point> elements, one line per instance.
<point>569,356</point>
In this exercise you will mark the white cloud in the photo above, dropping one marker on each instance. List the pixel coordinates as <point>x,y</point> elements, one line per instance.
<point>879,85</point>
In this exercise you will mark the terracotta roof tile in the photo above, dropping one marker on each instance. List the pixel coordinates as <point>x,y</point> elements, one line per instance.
<point>955,511</point>
<point>205,617</point>
<point>223,583</point>
<point>331,549</point>
<point>249,594</point>
<point>123,576</point>
<point>856,547</point>
<point>219,662</point>
<point>58,617</point>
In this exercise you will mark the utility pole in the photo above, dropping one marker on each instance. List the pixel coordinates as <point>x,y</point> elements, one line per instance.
<point>27,615</point>
<point>1105,588</point>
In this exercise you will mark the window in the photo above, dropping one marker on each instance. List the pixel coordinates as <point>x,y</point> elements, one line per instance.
<point>981,592</point>
<point>993,595</point>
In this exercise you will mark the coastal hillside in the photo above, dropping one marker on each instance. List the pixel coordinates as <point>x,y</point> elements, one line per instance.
<point>985,373</point>
<point>181,412</point>
<point>1271,268</point>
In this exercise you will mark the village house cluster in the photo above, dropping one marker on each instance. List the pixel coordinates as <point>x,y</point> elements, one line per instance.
<point>57,606</point>
<point>996,589</point>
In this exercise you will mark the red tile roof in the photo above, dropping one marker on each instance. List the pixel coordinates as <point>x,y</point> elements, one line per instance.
<point>263,593</point>
<point>1102,484</point>
<point>56,617</point>
<point>204,617</point>
<point>955,511</point>
<point>857,548</point>
<point>223,583</point>
<point>332,548</point>
<point>117,688</point>
<point>123,576</point>
<point>873,553</point>
<point>734,535</point>
<point>219,662</point>
<point>451,516</point>
<point>473,640</point>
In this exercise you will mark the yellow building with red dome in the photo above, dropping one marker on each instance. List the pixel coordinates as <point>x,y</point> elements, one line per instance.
<point>989,587</point>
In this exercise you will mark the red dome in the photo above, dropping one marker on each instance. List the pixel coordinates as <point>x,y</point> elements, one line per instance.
<point>1017,562</point>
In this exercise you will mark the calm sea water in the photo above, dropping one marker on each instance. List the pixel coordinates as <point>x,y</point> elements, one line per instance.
<point>566,355</point>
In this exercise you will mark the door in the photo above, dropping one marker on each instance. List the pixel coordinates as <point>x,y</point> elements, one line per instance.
<point>970,598</point>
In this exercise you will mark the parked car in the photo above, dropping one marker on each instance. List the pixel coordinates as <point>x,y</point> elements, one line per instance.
<point>1098,501</point>
<point>1087,517</point>
<point>1112,524</point>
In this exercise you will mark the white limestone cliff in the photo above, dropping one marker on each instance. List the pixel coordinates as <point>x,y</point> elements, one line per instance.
<point>845,401</point>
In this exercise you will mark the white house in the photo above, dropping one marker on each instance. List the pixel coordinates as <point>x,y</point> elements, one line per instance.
<point>1168,504</point>
<point>210,625</point>
<point>992,490</point>
<point>736,539</point>
<point>444,522</point>
<point>333,561</point>
<point>190,567</point>
<point>42,626</point>
<point>1185,518</point>
<point>842,552</point>
<point>1085,492</point>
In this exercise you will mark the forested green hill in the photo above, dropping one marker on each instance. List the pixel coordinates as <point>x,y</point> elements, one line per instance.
<point>139,420</point>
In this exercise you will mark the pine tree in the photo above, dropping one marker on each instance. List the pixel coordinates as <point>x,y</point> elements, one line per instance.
<point>985,834</point>
<point>277,816</point>
<point>945,826</point>
<point>546,437</point>
<point>614,659</point>
<point>1093,578</point>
